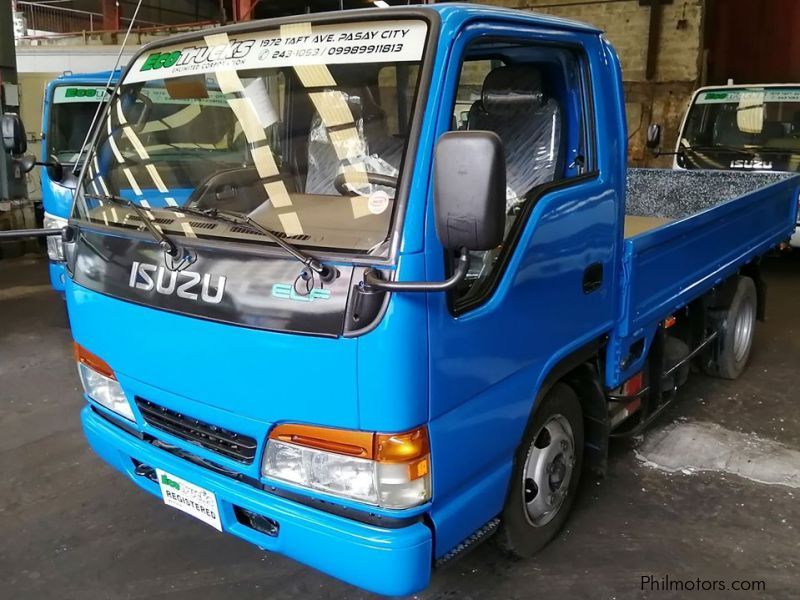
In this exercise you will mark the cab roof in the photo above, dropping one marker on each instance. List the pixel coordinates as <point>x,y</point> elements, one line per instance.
<point>98,77</point>
<point>464,11</point>
<point>450,15</point>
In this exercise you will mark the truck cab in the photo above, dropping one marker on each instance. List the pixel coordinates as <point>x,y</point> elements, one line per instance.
<point>360,288</point>
<point>746,128</point>
<point>70,105</point>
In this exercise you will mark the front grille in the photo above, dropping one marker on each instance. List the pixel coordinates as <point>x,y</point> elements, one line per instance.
<point>241,448</point>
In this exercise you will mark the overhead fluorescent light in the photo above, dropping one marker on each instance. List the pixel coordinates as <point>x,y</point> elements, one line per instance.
<point>381,4</point>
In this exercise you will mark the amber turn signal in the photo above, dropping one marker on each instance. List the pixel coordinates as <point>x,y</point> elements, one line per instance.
<point>401,447</point>
<point>94,362</point>
<point>380,447</point>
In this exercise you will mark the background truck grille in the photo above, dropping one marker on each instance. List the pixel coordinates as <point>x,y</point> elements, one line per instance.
<point>228,443</point>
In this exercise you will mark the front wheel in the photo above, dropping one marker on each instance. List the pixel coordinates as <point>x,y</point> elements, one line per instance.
<point>546,474</point>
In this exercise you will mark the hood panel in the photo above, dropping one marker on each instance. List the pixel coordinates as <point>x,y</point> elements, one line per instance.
<point>265,376</point>
<point>220,284</point>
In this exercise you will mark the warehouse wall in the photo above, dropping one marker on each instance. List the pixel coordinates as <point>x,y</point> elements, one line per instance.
<point>678,66</point>
<point>31,93</point>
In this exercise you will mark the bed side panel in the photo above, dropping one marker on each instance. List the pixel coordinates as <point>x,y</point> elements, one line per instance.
<point>668,267</point>
<point>674,264</point>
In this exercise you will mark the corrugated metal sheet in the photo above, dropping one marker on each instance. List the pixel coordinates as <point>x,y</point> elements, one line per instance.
<point>753,42</point>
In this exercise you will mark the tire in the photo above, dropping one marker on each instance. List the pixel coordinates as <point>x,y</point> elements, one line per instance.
<point>735,327</point>
<point>526,525</point>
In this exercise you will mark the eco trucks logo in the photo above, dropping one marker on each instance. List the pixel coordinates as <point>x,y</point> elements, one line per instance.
<point>170,482</point>
<point>197,55</point>
<point>79,93</point>
<point>82,92</point>
<point>184,284</point>
<point>161,60</point>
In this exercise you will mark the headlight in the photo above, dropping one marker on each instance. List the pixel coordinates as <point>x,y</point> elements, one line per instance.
<point>387,470</point>
<point>101,384</point>
<point>55,245</point>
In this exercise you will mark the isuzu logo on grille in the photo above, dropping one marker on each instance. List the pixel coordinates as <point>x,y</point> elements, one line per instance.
<point>184,284</point>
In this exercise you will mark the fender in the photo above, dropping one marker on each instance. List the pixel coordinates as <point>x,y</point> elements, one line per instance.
<point>578,370</point>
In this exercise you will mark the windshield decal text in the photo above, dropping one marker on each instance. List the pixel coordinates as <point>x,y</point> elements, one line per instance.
<point>78,93</point>
<point>198,55</point>
<point>737,95</point>
<point>361,42</point>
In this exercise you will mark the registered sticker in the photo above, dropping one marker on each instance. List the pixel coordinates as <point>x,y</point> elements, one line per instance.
<point>189,498</point>
<point>378,202</point>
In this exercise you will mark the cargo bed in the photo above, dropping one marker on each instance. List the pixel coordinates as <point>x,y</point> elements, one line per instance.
<point>686,231</point>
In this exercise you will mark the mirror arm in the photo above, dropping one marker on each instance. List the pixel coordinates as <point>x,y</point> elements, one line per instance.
<point>67,233</point>
<point>373,282</point>
<point>46,163</point>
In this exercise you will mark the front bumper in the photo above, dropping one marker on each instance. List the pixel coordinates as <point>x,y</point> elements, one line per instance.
<point>384,561</point>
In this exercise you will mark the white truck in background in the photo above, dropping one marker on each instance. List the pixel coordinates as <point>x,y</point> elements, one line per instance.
<point>741,128</point>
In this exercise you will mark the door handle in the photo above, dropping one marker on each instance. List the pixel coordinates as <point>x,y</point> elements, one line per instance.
<point>593,278</point>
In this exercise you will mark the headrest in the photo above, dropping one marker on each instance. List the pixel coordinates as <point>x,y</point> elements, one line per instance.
<point>362,103</point>
<point>512,88</point>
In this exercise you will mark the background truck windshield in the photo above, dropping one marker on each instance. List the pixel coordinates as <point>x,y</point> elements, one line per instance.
<point>303,129</point>
<point>71,112</point>
<point>763,122</point>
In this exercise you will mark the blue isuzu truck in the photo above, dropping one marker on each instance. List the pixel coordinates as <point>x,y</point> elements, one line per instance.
<point>68,111</point>
<point>365,288</point>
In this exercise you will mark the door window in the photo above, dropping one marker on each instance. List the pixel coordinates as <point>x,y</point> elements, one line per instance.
<point>532,97</point>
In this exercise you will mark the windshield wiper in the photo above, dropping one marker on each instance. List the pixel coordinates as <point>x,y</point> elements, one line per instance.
<point>720,149</point>
<point>167,245</point>
<point>240,219</point>
<point>776,150</point>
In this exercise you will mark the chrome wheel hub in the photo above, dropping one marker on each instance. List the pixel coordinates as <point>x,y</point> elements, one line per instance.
<point>548,471</point>
<point>743,331</point>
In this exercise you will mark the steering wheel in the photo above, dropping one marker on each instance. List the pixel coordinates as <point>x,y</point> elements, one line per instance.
<point>341,183</point>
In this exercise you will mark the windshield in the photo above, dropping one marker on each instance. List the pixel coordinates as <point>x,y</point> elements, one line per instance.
<point>71,112</point>
<point>302,129</point>
<point>755,127</point>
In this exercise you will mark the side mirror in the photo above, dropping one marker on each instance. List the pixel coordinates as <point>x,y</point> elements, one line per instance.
<point>470,190</point>
<point>15,141</point>
<point>654,136</point>
<point>55,170</point>
<point>26,163</point>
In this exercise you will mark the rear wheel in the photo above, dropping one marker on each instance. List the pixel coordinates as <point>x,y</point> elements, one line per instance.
<point>546,474</point>
<point>735,328</point>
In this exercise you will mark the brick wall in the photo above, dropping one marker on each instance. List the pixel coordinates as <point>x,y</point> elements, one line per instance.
<point>678,64</point>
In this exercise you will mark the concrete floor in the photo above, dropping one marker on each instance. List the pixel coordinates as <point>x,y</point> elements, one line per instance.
<point>72,528</point>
